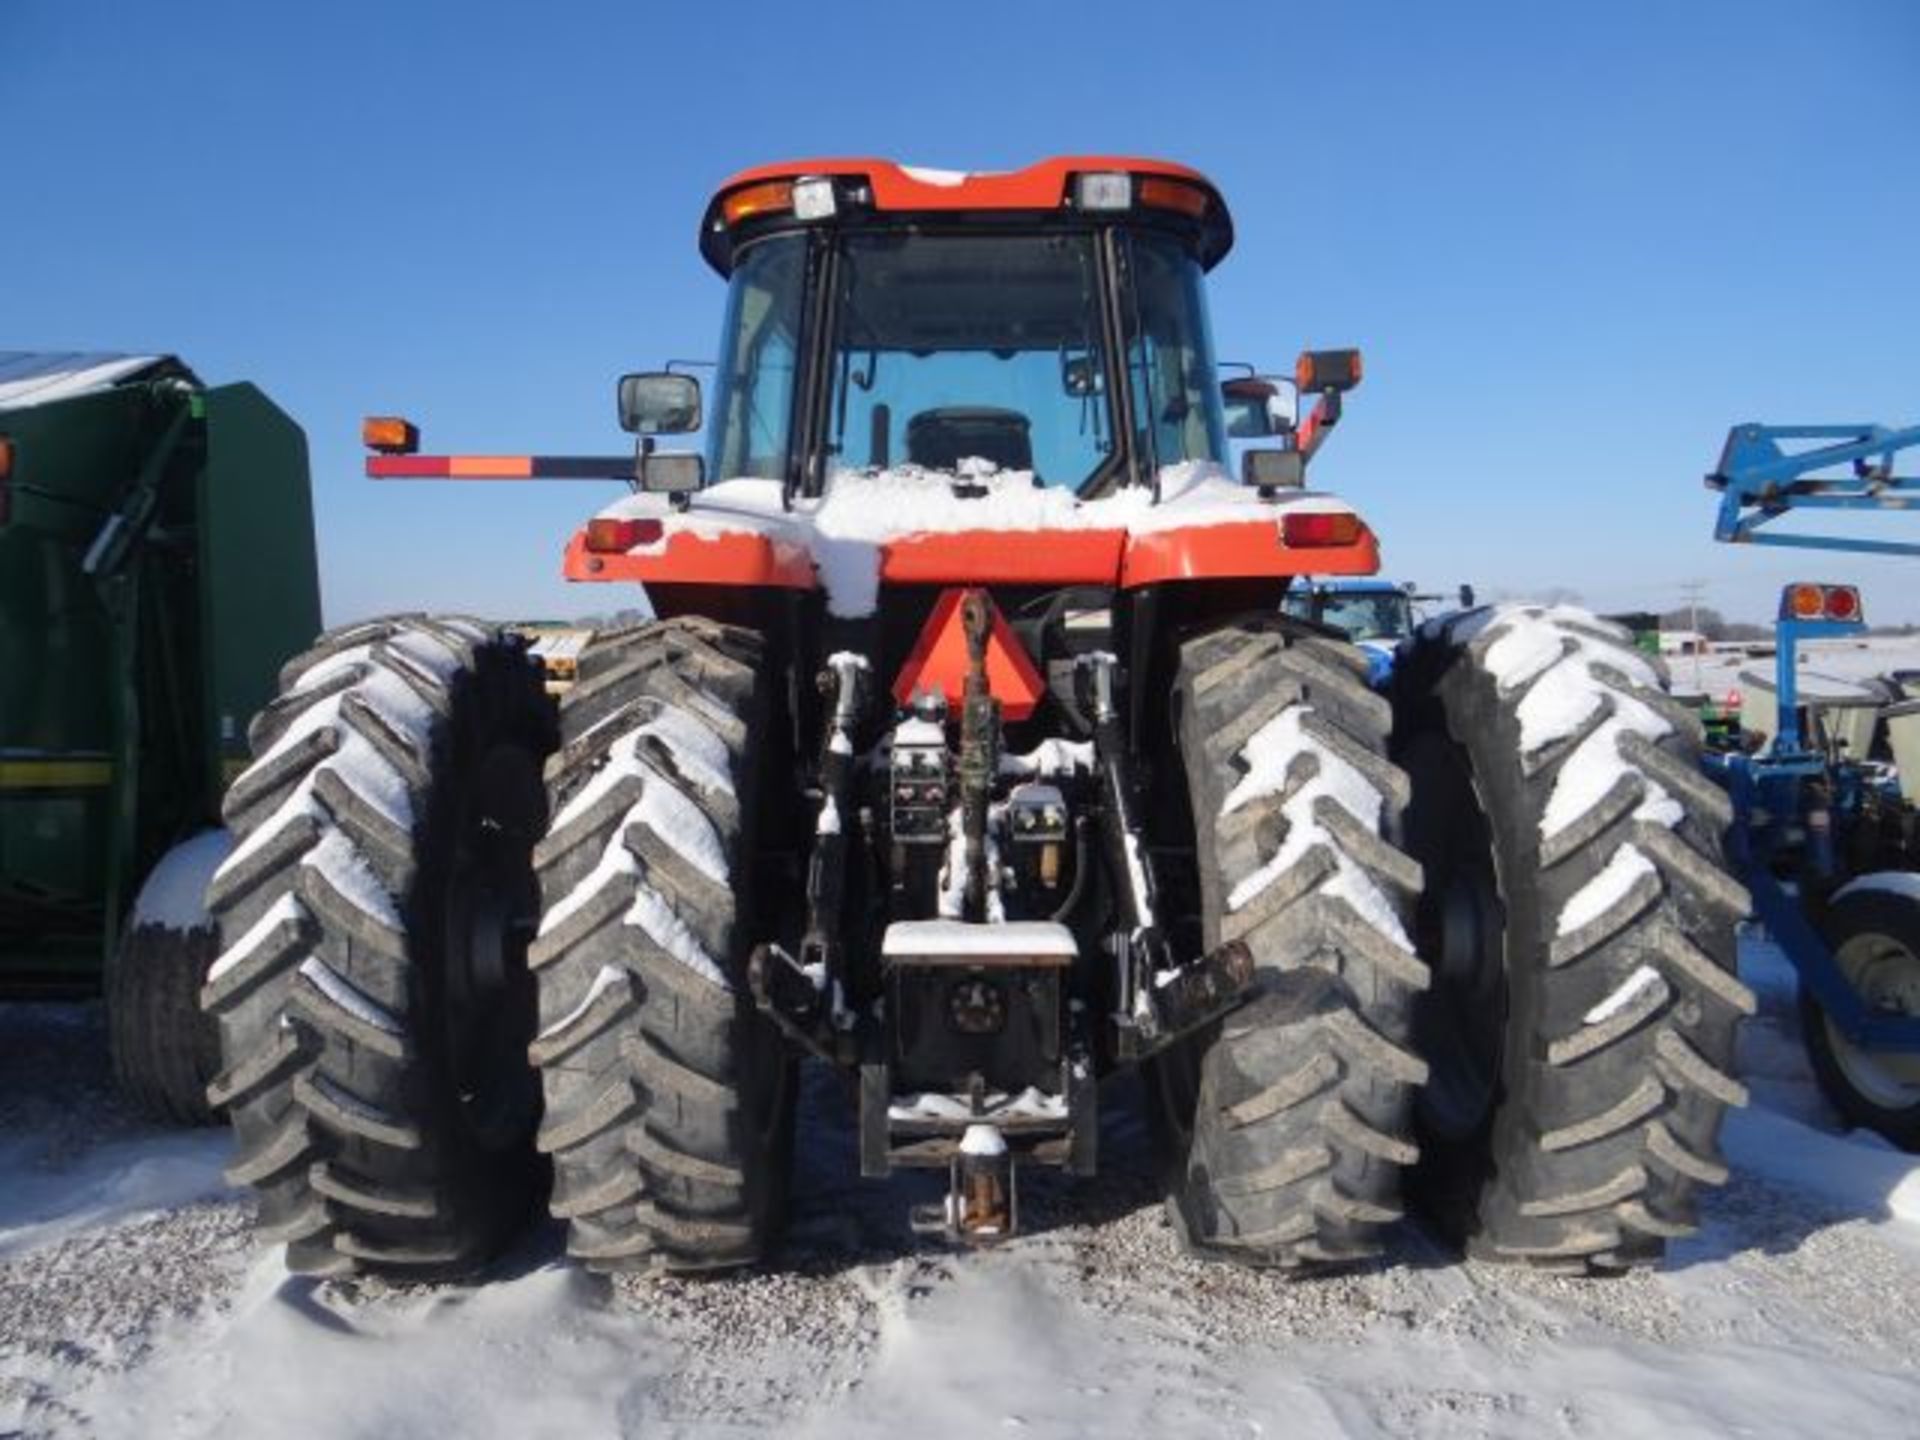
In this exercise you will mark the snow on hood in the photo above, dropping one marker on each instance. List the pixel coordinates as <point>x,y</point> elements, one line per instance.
<point>865,510</point>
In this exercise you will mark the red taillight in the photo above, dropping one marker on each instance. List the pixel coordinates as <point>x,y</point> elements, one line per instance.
<point>1842,602</point>
<point>616,537</point>
<point>1320,529</point>
<point>6,480</point>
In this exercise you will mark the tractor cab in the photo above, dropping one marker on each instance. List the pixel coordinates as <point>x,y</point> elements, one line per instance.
<point>1049,322</point>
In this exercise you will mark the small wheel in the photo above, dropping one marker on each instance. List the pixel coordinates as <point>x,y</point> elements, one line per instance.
<point>1875,935</point>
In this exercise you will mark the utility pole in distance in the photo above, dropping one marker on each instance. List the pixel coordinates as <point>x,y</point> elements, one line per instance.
<point>1690,593</point>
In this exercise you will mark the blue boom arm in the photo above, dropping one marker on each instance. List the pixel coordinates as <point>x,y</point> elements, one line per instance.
<point>1760,480</point>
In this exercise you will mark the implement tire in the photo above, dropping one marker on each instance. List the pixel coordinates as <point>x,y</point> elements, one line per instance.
<point>165,1048</point>
<point>372,991</point>
<point>669,1096</point>
<point>1580,921</point>
<point>1875,936</point>
<point>1286,1126</point>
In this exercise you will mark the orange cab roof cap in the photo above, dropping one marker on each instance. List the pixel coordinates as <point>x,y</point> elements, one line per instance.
<point>1040,187</point>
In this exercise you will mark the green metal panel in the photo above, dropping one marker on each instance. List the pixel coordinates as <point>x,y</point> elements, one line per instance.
<point>259,581</point>
<point>56,728</point>
<point>126,686</point>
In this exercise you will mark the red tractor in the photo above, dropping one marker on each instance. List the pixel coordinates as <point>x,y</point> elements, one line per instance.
<point>972,755</point>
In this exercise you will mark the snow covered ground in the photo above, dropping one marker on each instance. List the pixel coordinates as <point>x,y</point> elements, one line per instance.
<point>1861,659</point>
<point>131,1303</point>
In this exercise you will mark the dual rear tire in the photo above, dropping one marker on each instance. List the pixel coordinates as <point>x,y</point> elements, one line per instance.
<point>424,990</point>
<point>1551,1091</point>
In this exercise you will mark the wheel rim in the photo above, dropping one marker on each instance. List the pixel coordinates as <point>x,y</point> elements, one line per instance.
<point>1460,1025</point>
<point>1886,974</point>
<point>491,901</point>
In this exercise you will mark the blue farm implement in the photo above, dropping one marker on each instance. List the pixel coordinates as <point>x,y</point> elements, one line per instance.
<point>1825,830</point>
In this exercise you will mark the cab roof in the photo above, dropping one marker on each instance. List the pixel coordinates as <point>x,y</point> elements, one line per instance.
<point>1045,187</point>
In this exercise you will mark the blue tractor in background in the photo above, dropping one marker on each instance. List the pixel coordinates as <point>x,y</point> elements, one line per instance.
<point>1374,614</point>
<point>1826,802</point>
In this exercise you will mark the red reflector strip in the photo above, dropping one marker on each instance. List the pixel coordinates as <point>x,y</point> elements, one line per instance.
<point>616,537</point>
<point>407,467</point>
<point>1319,529</point>
<point>490,467</point>
<point>500,467</point>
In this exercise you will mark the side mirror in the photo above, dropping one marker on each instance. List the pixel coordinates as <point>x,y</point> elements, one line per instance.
<point>658,403</point>
<point>675,475</point>
<point>1257,407</point>
<point>1466,597</point>
<point>1273,469</point>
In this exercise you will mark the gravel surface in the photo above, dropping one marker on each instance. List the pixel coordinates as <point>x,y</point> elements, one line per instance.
<point>857,1325</point>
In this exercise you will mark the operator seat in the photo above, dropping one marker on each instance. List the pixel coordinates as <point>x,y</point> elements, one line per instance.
<point>940,439</point>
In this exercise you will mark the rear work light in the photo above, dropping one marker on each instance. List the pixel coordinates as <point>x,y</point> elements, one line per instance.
<point>616,537</point>
<point>1807,601</point>
<point>1320,528</point>
<point>814,200</point>
<point>389,434</point>
<point>1103,190</point>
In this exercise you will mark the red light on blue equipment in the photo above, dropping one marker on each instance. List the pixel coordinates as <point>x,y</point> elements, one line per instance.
<point>606,536</point>
<point>1842,602</point>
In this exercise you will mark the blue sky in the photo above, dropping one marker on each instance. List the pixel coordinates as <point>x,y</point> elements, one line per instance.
<point>1575,242</point>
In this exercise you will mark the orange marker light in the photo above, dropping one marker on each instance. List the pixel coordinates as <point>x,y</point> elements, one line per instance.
<point>1327,370</point>
<point>770,197</point>
<point>1165,194</point>
<point>389,434</point>
<point>1326,528</point>
<point>1804,602</point>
